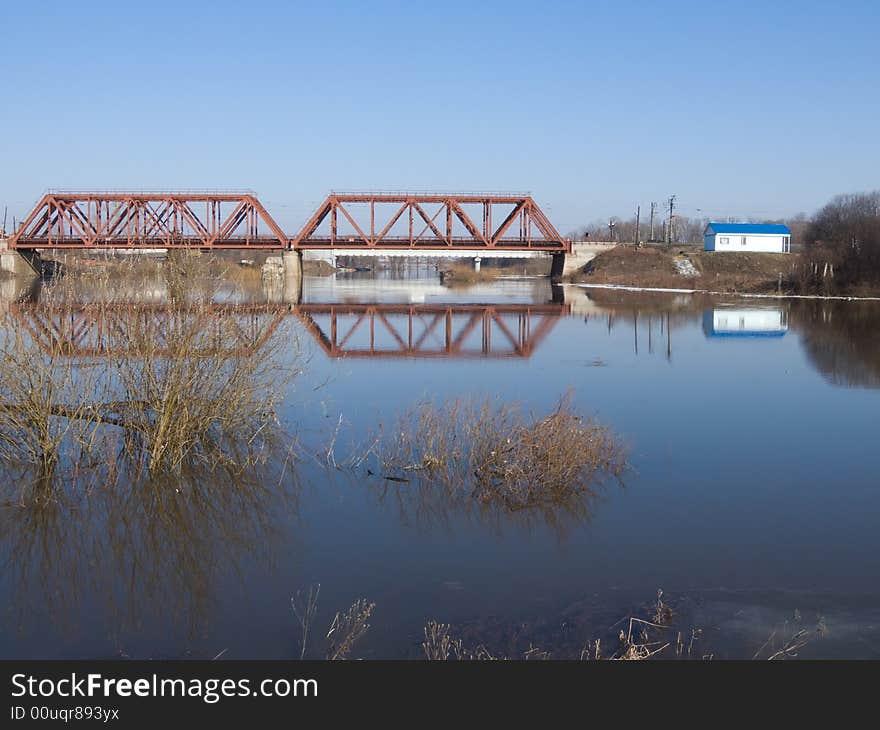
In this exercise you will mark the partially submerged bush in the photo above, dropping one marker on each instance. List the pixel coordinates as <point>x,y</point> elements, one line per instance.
<point>191,393</point>
<point>165,387</point>
<point>501,456</point>
<point>46,399</point>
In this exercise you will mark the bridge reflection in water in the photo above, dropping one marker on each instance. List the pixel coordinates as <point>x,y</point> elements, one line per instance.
<point>430,330</point>
<point>342,330</point>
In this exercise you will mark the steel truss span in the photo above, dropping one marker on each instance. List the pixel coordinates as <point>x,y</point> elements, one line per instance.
<point>351,221</point>
<point>149,220</point>
<point>403,221</point>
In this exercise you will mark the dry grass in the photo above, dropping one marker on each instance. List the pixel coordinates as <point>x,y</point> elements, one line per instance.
<point>44,410</point>
<point>787,641</point>
<point>186,396</point>
<point>497,455</point>
<point>465,273</point>
<point>191,386</point>
<point>655,266</point>
<point>644,638</point>
<point>346,629</point>
<point>649,635</point>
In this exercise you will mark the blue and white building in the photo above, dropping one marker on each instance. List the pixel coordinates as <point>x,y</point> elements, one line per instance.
<point>761,237</point>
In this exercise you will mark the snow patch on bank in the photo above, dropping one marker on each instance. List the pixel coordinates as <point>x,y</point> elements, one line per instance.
<point>686,268</point>
<point>622,287</point>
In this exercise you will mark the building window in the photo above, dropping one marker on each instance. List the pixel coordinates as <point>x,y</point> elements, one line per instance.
<point>744,239</point>
<point>723,240</point>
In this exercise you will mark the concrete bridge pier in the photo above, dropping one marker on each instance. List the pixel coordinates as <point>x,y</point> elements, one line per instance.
<point>293,276</point>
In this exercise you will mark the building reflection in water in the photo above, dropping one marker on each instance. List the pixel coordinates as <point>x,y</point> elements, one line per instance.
<point>736,321</point>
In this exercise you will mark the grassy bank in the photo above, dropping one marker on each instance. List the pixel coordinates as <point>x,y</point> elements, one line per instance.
<point>689,267</point>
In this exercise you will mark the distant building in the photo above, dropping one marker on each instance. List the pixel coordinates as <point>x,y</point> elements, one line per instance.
<point>762,237</point>
<point>754,322</point>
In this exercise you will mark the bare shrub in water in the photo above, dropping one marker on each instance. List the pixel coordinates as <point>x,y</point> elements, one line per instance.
<point>46,399</point>
<point>196,388</point>
<point>500,456</point>
<point>172,384</point>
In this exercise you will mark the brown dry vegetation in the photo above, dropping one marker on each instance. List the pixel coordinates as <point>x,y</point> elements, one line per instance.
<point>346,629</point>
<point>497,455</point>
<point>656,267</point>
<point>168,394</point>
<point>154,461</point>
<point>463,272</point>
<point>653,631</point>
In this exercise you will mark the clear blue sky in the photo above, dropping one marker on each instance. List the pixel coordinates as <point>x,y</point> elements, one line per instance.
<point>739,108</point>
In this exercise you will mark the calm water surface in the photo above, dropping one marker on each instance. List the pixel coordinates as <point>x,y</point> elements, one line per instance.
<point>753,491</point>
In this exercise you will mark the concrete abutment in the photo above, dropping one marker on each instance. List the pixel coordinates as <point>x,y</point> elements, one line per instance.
<point>23,262</point>
<point>566,264</point>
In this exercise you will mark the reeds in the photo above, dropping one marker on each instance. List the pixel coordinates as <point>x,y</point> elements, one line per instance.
<point>346,629</point>
<point>498,455</point>
<point>162,386</point>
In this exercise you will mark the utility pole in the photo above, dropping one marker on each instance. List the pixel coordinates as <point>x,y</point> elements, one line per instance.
<point>669,223</point>
<point>638,218</point>
<point>653,208</point>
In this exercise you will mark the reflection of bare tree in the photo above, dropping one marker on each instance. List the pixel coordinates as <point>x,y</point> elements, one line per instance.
<point>139,545</point>
<point>139,477</point>
<point>842,340</point>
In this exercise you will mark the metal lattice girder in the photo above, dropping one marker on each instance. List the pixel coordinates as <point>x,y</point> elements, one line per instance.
<point>430,221</point>
<point>145,220</point>
<point>238,220</point>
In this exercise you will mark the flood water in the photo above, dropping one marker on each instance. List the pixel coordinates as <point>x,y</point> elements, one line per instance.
<point>753,490</point>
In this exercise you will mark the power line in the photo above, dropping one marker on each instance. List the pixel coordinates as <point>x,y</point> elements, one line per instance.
<point>671,218</point>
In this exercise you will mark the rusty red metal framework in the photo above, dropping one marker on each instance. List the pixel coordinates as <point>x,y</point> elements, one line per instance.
<point>455,331</point>
<point>146,220</point>
<point>430,221</point>
<point>208,220</point>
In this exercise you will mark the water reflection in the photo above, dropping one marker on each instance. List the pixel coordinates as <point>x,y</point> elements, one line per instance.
<point>148,555</point>
<point>842,340</point>
<point>733,321</point>
<point>430,331</point>
<point>141,546</point>
<point>123,329</point>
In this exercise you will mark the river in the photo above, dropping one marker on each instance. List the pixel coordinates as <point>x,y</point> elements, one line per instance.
<point>752,498</point>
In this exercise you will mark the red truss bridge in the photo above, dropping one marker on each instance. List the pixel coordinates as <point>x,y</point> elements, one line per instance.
<point>237,220</point>
<point>97,330</point>
<point>425,221</point>
<point>148,220</point>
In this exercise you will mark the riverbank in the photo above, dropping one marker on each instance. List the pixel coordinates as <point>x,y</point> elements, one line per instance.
<point>691,268</point>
